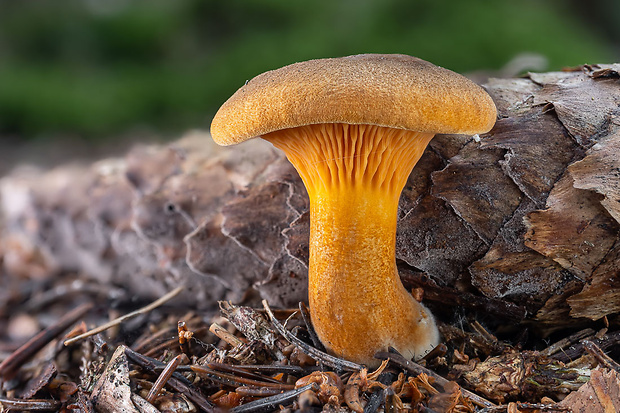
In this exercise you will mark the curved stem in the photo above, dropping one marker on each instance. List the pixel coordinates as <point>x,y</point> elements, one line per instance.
<point>354,175</point>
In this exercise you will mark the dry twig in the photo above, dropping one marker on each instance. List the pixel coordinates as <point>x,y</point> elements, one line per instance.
<point>8,366</point>
<point>328,360</point>
<point>126,317</point>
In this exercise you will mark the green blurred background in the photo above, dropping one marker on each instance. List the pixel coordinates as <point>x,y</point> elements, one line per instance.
<point>93,70</point>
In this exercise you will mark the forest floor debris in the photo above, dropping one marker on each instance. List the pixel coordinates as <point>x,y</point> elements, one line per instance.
<point>260,359</point>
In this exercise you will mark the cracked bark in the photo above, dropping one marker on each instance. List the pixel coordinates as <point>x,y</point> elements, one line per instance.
<point>523,221</point>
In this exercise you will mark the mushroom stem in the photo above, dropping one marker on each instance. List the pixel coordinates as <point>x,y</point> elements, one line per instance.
<point>354,175</point>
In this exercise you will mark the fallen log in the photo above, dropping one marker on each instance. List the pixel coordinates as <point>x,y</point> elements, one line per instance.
<point>522,223</point>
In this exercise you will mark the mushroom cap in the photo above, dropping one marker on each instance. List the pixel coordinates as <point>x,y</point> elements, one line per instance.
<point>396,91</point>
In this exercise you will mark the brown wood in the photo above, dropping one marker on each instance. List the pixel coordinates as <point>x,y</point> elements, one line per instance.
<point>526,215</point>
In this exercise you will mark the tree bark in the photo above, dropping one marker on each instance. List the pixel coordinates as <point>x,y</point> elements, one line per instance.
<point>522,222</point>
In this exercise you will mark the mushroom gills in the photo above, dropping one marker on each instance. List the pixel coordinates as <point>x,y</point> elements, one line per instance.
<point>354,175</point>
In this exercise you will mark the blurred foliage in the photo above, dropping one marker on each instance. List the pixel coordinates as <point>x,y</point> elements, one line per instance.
<point>95,68</point>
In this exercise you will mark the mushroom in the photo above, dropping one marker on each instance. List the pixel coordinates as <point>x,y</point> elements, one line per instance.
<point>354,127</point>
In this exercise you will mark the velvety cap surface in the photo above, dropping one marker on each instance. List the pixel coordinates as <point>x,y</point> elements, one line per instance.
<point>396,91</point>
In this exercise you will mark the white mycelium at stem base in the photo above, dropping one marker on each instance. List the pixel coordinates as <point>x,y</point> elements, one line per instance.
<point>354,175</point>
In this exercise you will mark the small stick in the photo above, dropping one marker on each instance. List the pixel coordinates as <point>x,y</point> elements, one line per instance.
<point>565,342</point>
<point>154,351</point>
<point>30,405</point>
<point>247,391</point>
<point>274,368</point>
<point>165,344</point>
<point>415,368</point>
<point>223,334</point>
<point>154,366</point>
<point>145,342</point>
<point>439,351</point>
<point>478,328</point>
<point>329,360</point>
<point>600,355</point>
<point>59,293</point>
<point>217,394</point>
<point>176,382</point>
<point>164,377</point>
<point>297,371</point>
<point>126,317</point>
<point>40,340</point>
<point>269,404</point>
<point>576,350</point>
<point>233,380</point>
<point>554,408</point>
<point>305,315</point>
<point>241,371</point>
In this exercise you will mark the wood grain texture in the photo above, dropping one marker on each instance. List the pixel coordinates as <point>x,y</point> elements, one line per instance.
<point>527,215</point>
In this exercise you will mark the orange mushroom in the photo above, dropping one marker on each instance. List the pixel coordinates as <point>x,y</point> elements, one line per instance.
<point>354,127</point>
